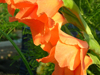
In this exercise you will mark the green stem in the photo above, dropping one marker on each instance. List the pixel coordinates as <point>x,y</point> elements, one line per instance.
<point>20,53</point>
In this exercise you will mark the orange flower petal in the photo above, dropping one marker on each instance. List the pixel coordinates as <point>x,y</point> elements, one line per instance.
<point>67,55</point>
<point>35,25</point>
<point>2,1</point>
<point>45,19</point>
<point>28,13</point>
<point>37,39</point>
<point>82,56</point>
<point>39,25</point>
<point>59,18</point>
<point>68,71</point>
<point>11,19</point>
<point>72,40</point>
<point>19,1</point>
<point>9,1</point>
<point>88,61</point>
<point>79,70</point>
<point>45,32</point>
<point>18,4</point>
<point>49,58</point>
<point>52,5</point>
<point>46,35</point>
<point>21,5</point>
<point>62,71</point>
<point>54,35</point>
<point>58,70</point>
<point>11,10</point>
<point>43,5</point>
<point>40,38</point>
<point>47,47</point>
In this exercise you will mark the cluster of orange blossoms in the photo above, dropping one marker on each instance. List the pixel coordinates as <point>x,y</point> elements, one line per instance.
<point>66,52</point>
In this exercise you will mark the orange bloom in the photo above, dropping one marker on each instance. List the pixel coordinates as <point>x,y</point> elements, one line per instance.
<point>69,53</point>
<point>27,7</point>
<point>65,70</point>
<point>38,18</point>
<point>78,71</point>
<point>42,26</point>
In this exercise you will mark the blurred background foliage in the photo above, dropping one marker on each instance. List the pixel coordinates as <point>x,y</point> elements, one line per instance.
<point>5,25</point>
<point>90,10</point>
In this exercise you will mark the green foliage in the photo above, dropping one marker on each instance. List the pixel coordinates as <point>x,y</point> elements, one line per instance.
<point>95,58</point>
<point>94,70</point>
<point>5,25</point>
<point>90,10</point>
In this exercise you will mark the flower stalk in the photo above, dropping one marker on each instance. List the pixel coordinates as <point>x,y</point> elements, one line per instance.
<point>19,51</point>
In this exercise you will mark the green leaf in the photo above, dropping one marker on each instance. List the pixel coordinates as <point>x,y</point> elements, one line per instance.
<point>94,57</point>
<point>93,44</point>
<point>71,5</point>
<point>89,72</point>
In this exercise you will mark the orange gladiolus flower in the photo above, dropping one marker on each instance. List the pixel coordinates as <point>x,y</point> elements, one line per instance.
<point>65,70</point>
<point>38,18</point>
<point>78,71</point>
<point>69,53</point>
<point>42,26</point>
